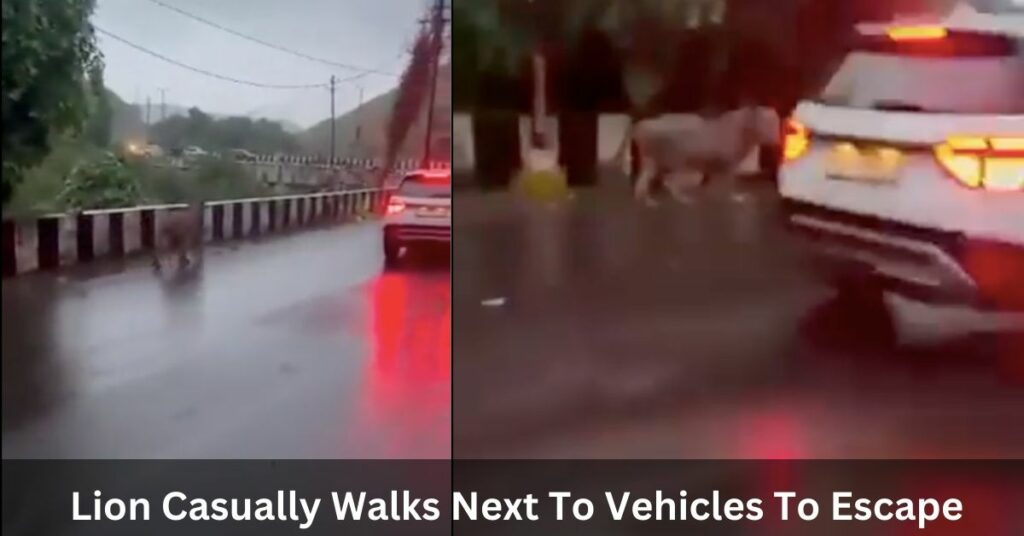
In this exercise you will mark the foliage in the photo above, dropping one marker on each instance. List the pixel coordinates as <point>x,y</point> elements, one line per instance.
<point>163,184</point>
<point>78,175</point>
<point>501,35</point>
<point>41,188</point>
<point>101,183</point>
<point>212,179</point>
<point>646,33</point>
<point>649,35</point>
<point>226,179</point>
<point>465,79</point>
<point>200,129</point>
<point>413,91</point>
<point>48,47</point>
<point>99,127</point>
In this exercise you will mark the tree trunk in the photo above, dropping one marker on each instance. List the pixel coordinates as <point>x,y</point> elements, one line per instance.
<point>495,133</point>
<point>540,101</point>
<point>577,134</point>
<point>540,154</point>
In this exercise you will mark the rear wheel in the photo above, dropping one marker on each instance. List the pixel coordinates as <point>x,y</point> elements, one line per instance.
<point>392,253</point>
<point>856,318</point>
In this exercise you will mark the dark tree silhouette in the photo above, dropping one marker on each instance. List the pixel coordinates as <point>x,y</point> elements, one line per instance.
<point>412,95</point>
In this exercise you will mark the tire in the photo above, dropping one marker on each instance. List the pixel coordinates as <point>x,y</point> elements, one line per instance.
<point>857,318</point>
<point>392,254</point>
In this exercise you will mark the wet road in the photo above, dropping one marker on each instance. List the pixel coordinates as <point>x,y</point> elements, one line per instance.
<point>609,330</point>
<point>296,347</point>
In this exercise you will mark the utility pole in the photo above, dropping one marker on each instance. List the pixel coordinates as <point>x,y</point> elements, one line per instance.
<point>437,30</point>
<point>163,103</point>
<point>148,108</point>
<point>333,125</point>
<point>359,115</point>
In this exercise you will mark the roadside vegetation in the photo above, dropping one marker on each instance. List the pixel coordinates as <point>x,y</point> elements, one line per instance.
<point>64,133</point>
<point>79,175</point>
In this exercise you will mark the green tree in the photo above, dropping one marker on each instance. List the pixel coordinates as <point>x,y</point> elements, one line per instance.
<point>412,95</point>
<point>48,48</point>
<point>649,36</point>
<point>100,183</point>
<point>508,35</point>
<point>201,129</point>
<point>99,127</point>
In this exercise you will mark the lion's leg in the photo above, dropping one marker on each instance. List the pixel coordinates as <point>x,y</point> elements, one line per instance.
<point>642,189</point>
<point>680,183</point>
<point>160,247</point>
<point>736,192</point>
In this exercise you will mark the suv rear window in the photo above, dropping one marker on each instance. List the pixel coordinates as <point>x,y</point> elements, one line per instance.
<point>966,74</point>
<point>423,186</point>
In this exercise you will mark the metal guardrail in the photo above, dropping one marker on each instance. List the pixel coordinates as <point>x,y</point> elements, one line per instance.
<point>56,240</point>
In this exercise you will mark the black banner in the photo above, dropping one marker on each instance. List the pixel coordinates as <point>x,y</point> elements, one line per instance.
<point>513,497</point>
<point>252,497</point>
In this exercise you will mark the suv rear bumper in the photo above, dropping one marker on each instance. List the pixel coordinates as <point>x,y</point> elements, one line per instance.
<point>404,233</point>
<point>923,264</point>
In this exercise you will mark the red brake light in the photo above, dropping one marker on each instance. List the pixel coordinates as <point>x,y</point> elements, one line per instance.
<point>992,163</point>
<point>395,206</point>
<point>916,33</point>
<point>796,139</point>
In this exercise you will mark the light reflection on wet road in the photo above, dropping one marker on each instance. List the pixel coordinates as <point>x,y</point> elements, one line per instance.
<point>297,347</point>
<point>691,332</point>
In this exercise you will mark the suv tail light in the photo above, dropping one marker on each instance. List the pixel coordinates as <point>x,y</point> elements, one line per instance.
<point>991,163</point>
<point>796,139</point>
<point>916,33</point>
<point>395,206</point>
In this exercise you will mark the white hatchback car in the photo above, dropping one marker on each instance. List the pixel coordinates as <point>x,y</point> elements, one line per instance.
<point>906,171</point>
<point>418,214</point>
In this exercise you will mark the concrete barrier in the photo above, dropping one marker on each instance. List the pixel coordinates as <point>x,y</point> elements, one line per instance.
<point>56,240</point>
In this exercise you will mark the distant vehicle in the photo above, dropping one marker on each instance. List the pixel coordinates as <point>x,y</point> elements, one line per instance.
<point>243,155</point>
<point>907,169</point>
<point>153,151</point>
<point>193,151</point>
<point>418,214</point>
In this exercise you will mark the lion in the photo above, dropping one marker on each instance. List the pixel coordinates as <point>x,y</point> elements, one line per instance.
<point>179,237</point>
<point>691,150</point>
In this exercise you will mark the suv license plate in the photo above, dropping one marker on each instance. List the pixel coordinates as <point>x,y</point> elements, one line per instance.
<point>877,165</point>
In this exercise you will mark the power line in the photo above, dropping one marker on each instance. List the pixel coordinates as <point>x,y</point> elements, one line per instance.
<point>211,74</point>
<point>280,48</point>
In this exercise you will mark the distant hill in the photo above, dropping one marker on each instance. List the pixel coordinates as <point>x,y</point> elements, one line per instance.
<point>177,110</point>
<point>372,116</point>
<point>288,126</point>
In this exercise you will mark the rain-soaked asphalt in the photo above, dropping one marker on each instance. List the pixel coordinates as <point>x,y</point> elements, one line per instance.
<point>610,330</point>
<point>296,347</point>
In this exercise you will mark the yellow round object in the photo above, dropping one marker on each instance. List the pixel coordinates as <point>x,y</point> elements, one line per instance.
<point>544,185</point>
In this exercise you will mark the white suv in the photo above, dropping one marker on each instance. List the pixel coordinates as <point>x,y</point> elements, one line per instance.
<point>907,169</point>
<point>418,214</point>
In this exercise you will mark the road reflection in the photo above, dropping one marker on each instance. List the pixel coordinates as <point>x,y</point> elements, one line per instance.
<point>406,386</point>
<point>703,336</point>
<point>32,379</point>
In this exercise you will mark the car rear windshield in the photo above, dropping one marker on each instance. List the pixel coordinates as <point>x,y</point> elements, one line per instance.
<point>419,186</point>
<point>975,75</point>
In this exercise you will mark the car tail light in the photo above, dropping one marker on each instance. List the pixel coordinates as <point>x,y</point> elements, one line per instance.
<point>992,163</point>
<point>395,206</point>
<point>916,33</point>
<point>796,139</point>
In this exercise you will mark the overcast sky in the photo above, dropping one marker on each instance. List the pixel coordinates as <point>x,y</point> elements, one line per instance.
<point>368,33</point>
